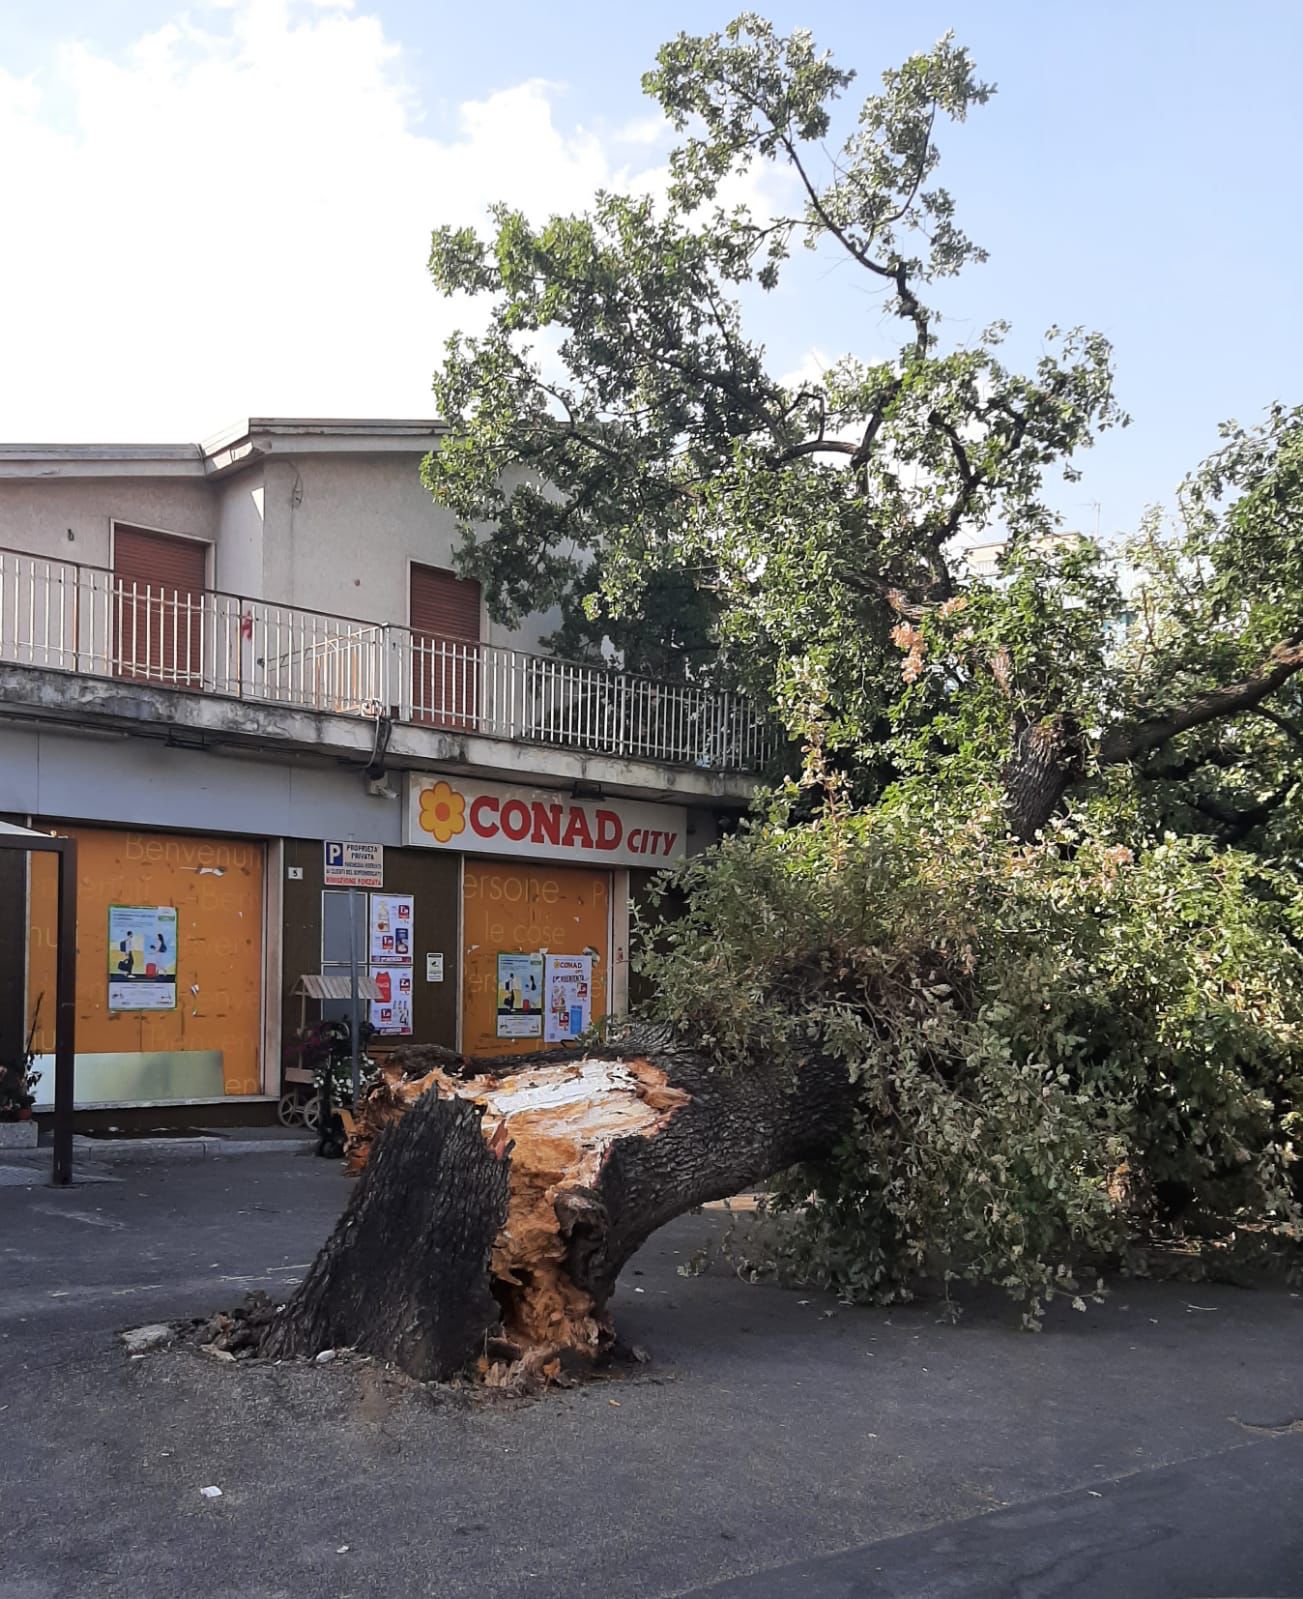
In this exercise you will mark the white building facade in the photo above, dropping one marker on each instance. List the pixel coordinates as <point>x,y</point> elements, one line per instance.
<point>222,663</point>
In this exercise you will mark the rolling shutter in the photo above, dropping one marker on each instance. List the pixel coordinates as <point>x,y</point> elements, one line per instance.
<point>158,589</point>
<point>445,618</point>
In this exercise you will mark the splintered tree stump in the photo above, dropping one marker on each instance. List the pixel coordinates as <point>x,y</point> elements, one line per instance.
<point>495,1211</point>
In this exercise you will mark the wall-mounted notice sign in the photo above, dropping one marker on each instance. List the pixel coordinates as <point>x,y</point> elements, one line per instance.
<point>568,997</point>
<point>434,968</point>
<point>142,957</point>
<point>349,865</point>
<point>520,996</point>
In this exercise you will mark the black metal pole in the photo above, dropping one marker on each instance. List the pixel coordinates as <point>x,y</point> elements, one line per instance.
<point>65,1012</point>
<point>355,1010</point>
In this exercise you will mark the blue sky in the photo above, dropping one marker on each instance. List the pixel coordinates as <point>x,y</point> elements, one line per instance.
<point>212,228</point>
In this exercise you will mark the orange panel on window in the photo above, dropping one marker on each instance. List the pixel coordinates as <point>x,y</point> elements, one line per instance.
<point>519,909</point>
<point>216,886</point>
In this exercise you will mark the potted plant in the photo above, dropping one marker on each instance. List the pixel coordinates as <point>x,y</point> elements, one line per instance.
<point>17,1080</point>
<point>17,1124</point>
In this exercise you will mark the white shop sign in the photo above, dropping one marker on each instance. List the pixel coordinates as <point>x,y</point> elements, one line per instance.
<point>541,823</point>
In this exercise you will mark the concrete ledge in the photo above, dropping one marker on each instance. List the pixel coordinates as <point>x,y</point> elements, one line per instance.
<point>45,696</point>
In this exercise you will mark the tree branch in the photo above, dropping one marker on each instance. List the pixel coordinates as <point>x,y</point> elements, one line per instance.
<point>1126,743</point>
<point>910,305</point>
<point>1283,723</point>
<point>1238,822</point>
<point>813,447</point>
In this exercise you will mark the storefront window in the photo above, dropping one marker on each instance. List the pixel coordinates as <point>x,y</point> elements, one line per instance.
<point>385,945</point>
<point>336,934</point>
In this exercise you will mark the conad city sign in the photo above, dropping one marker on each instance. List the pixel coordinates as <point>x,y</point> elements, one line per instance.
<point>541,823</point>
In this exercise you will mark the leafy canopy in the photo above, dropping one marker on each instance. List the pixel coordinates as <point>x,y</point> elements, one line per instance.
<point>1063,1050</point>
<point>1048,910</point>
<point>624,450</point>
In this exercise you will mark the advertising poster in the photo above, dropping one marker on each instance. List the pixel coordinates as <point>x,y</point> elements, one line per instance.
<point>520,996</point>
<point>391,1012</point>
<point>568,990</point>
<point>142,957</point>
<point>391,929</point>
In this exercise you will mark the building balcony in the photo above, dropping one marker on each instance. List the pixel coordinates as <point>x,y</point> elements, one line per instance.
<point>91,646</point>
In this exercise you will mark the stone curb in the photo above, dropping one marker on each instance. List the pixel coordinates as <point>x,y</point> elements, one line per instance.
<point>124,1151</point>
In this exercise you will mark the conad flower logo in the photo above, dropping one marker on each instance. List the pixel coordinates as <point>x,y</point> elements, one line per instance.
<point>443,812</point>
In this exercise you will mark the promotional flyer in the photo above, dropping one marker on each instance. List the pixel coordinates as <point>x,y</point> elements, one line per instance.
<point>520,996</point>
<point>142,957</point>
<point>568,987</point>
<point>391,1010</point>
<point>391,929</point>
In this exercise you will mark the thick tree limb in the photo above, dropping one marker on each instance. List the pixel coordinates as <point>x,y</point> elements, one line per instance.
<point>1045,763</point>
<point>1127,742</point>
<point>1290,729</point>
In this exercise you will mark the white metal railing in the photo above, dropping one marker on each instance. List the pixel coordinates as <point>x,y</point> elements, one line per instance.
<point>77,618</point>
<point>71,617</point>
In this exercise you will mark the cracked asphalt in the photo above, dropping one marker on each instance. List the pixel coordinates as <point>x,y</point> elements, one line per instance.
<point>778,1444</point>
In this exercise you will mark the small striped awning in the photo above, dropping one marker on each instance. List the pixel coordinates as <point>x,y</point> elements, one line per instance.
<point>326,985</point>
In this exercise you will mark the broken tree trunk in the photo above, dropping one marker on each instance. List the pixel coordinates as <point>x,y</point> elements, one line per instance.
<point>498,1211</point>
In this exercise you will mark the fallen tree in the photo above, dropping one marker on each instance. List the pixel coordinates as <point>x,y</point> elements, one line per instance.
<point>947,1051</point>
<point>496,1208</point>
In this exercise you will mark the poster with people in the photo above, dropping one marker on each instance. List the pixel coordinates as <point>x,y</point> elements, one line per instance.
<point>520,996</point>
<point>568,988</point>
<point>391,929</point>
<point>142,957</point>
<point>391,1010</point>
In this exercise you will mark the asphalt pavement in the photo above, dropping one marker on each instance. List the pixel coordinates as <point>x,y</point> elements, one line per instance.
<point>777,1444</point>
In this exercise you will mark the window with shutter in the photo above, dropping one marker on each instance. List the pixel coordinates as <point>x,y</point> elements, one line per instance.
<point>158,595</point>
<point>445,619</point>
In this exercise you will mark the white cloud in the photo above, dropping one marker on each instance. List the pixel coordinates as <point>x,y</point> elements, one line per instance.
<point>810,369</point>
<point>644,130</point>
<point>234,218</point>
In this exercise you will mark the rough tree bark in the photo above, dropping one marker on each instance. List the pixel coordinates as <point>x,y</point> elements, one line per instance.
<point>370,1286</point>
<point>493,1218</point>
<point>1046,762</point>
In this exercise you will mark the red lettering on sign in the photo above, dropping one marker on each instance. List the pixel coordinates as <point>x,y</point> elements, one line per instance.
<point>635,841</point>
<point>670,839</point>
<point>577,830</point>
<point>547,823</point>
<point>481,810</point>
<point>609,829</point>
<point>515,819</point>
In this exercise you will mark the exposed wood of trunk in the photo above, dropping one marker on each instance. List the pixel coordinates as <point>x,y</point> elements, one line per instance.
<point>445,1248</point>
